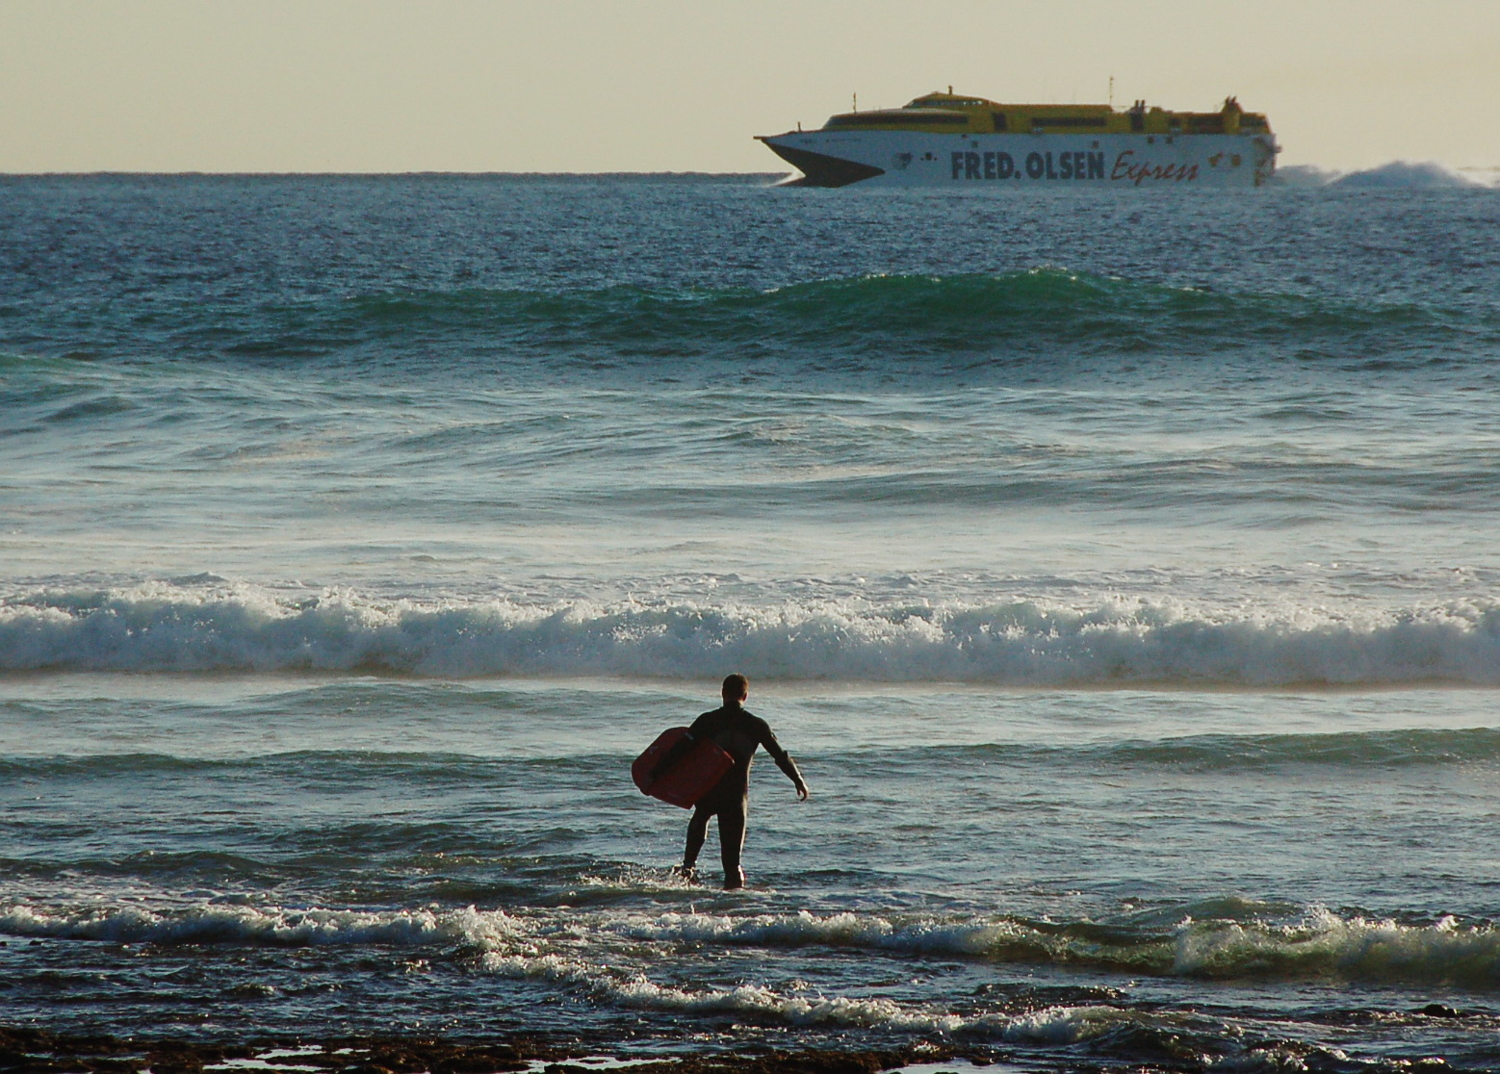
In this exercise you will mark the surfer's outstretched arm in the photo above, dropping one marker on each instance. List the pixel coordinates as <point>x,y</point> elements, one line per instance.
<point>790,768</point>
<point>784,762</point>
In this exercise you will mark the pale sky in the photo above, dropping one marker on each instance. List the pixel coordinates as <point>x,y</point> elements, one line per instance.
<point>672,85</point>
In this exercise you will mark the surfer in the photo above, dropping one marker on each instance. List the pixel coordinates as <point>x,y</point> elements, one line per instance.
<point>740,733</point>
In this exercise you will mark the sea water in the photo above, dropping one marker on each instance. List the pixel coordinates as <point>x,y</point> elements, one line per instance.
<point>1120,568</point>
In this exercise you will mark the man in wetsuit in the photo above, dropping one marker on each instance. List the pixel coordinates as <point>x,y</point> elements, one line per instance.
<point>739,734</point>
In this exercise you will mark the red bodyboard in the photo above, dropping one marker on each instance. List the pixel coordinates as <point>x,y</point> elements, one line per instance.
<point>690,778</point>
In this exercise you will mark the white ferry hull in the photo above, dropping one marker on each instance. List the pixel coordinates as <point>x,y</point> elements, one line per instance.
<point>883,158</point>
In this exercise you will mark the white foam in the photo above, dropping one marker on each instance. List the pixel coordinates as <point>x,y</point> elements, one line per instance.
<point>166,628</point>
<point>922,935</point>
<point>1403,174</point>
<point>1357,948</point>
<point>557,943</point>
<point>250,925</point>
<point>1322,944</point>
<point>1393,175</point>
<point>1053,1025</point>
<point>611,954</point>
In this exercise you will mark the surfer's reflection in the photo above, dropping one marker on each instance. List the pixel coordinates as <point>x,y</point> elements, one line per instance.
<point>739,733</point>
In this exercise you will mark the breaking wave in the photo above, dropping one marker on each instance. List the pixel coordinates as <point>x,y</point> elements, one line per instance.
<point>252,926</point>
<point>576,947</point>
<point>1394,175</point>
<point>168,629</point>
<point>1322,944</point>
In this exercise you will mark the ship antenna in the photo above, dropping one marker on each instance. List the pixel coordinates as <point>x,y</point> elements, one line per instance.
<point>1111,92</point>
<point>856,102</point>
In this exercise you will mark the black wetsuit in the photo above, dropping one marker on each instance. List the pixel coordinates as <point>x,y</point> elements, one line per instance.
<point>739,733</point>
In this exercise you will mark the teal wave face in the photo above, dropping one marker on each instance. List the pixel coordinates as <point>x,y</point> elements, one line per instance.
<point>1040,317</point>
<point>1033,315</point>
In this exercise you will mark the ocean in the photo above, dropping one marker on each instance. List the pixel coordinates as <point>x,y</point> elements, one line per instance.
<point>1120,568</point>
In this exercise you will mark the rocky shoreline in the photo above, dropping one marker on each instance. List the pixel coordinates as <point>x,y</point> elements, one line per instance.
<point>37,1051</point>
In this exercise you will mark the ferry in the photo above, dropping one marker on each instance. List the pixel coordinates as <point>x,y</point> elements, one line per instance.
<point>948,139</point>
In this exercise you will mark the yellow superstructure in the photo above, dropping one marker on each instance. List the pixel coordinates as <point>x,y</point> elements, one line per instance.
<point>950,113</point>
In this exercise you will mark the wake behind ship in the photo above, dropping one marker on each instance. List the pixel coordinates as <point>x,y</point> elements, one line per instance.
<point>946,139</point>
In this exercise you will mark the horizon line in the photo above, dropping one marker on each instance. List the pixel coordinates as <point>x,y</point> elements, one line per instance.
<point>109,172</point>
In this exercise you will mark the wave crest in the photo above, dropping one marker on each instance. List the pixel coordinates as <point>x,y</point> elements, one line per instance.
<point>258,927</point>
<point>565,946</point>
<point>161,628</point>
<point>1320,945</point>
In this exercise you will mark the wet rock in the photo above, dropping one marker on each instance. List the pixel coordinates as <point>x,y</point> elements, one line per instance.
<point>1438,1010</point>
<point>176,1061</point>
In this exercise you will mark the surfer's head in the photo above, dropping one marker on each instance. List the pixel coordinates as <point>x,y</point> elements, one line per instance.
<point>736,689</point>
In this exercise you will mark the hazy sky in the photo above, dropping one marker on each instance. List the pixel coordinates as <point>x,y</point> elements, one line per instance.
<point>671,85</point>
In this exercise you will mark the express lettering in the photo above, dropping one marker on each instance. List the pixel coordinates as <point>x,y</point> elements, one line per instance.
<point>1126,170</point>
<point>1079,165</point>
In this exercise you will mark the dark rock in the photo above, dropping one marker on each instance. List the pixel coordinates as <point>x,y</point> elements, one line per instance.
<point>176,1061</point>
<point>1438,1010</point>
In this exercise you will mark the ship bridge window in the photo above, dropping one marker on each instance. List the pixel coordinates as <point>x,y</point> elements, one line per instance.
<point>1068,121</point>
<point>946,102</point>
<point>876,119</point>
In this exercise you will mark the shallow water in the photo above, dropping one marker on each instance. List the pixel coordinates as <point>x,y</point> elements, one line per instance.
<point>1119,568</point>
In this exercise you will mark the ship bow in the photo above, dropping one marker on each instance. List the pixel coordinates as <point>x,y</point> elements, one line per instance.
<point>820,169</point>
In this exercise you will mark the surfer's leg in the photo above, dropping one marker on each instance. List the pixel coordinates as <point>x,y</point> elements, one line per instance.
<point>697,831</point>
<point>732,842</point>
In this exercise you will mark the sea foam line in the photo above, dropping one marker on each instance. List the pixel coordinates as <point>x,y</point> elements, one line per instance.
<point>166,629</point>
<point>569,945</point>
<point>1321,945</point>
<point>578,955</point>
<point>207,924</point>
